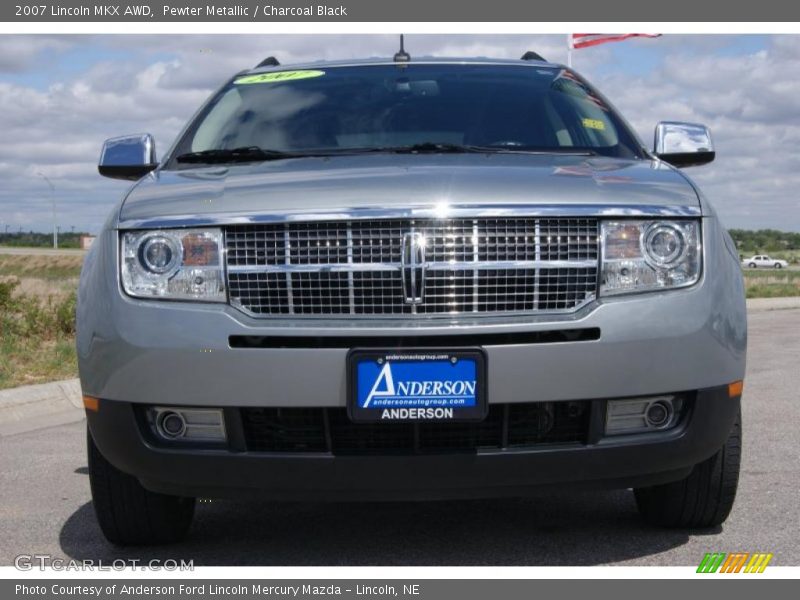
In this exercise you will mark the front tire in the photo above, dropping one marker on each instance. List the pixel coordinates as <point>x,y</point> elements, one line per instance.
<point>778,266</point>
<point>752,265</point>
<point>129,514</point>
<point>704,498</point>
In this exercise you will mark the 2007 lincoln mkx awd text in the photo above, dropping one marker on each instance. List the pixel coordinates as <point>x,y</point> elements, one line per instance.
<point>410,279</point>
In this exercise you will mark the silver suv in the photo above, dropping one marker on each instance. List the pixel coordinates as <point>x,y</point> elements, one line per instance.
<point>410,279</point>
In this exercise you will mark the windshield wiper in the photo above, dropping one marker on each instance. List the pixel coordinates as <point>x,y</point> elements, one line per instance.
<point>442,148</point>
<point>243,154</point>
<point>257,154</point>
<point>429,148</point>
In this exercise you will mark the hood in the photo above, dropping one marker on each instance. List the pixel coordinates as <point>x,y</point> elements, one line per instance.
<point>327,185</point>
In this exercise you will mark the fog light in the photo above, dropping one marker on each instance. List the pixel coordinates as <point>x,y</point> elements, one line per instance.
<point>641,415</point>
<point>658,414</point>
<point>178,424</point>
<point>171,424</point>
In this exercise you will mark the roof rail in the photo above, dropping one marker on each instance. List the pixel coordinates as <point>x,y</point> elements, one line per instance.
<point>270,61</point>
<point>532,56</point>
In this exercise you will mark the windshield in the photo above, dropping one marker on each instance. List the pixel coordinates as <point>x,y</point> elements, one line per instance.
<point>389,107</point>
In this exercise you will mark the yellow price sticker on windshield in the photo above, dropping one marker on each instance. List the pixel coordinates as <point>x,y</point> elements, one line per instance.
<point>278,77</point>
<point>594,124</point>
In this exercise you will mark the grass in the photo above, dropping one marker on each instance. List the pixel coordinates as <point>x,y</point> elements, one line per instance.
<point>772,274</point>
<point>771,283</point>
<point>37,318</point>
<point>781,290</point>
<point>49,268</point>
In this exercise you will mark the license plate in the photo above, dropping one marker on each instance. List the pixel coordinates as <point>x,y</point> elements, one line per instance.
<point>416,385</point>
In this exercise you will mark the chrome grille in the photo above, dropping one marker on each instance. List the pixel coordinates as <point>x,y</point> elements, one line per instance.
<point>480,265</point>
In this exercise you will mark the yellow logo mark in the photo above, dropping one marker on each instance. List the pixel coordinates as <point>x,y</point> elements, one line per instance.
<point>594,124</point>
<point>278,77</point>
<point>758,562</point>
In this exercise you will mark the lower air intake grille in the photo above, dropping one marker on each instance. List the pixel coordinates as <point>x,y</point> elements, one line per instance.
<point>518,425</point>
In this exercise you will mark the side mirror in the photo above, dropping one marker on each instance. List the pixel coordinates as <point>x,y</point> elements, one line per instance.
<point>683,144</point>
<point>129,157</point>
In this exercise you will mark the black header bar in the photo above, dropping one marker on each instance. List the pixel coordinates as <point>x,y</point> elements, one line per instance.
<point>469,11</point>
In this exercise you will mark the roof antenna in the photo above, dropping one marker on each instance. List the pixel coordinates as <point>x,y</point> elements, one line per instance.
<point>402,56</point>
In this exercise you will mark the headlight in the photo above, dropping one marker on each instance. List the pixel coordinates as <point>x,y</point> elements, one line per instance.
<point>159,254</point>
<point>649,255</point>
<point>181,264</point>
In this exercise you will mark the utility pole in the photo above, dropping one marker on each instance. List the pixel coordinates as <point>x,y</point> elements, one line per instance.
<point>53,198</point>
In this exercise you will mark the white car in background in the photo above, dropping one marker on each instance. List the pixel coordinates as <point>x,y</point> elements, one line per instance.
<point>762,260</point>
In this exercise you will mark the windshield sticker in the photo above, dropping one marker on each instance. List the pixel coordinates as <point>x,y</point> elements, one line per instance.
<point>594,124</point>
<point>278,77</point>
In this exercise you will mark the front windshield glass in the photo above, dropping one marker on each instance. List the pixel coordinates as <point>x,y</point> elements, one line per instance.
<point>364,108</point>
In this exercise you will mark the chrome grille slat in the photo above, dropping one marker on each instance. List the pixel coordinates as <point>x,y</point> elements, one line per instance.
<point>287,262</point>
<point>497,265</point>
<point>351,291</point>
<point>437,266</point>
<point>475,273</point>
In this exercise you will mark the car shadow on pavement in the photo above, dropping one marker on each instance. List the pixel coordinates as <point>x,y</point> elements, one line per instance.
<point>554,529</point>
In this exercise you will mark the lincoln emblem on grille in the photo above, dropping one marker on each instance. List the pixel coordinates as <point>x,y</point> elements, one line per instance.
<point>413,267</point>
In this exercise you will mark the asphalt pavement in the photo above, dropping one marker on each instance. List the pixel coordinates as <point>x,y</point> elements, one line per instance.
<point>45,506</point>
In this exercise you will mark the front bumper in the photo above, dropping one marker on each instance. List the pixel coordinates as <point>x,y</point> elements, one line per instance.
<point>133,352</point>
<point>614,462</point>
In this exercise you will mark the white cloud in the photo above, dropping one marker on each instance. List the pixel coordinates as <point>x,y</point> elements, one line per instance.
<point>750,103</point>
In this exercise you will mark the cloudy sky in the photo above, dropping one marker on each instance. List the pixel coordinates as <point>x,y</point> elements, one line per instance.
<point>60,97</point>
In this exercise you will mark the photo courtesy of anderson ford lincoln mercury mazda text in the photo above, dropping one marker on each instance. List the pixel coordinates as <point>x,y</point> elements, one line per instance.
<point>410,279</point>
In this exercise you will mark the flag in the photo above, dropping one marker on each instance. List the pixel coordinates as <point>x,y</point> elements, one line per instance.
<point>584,40</point>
